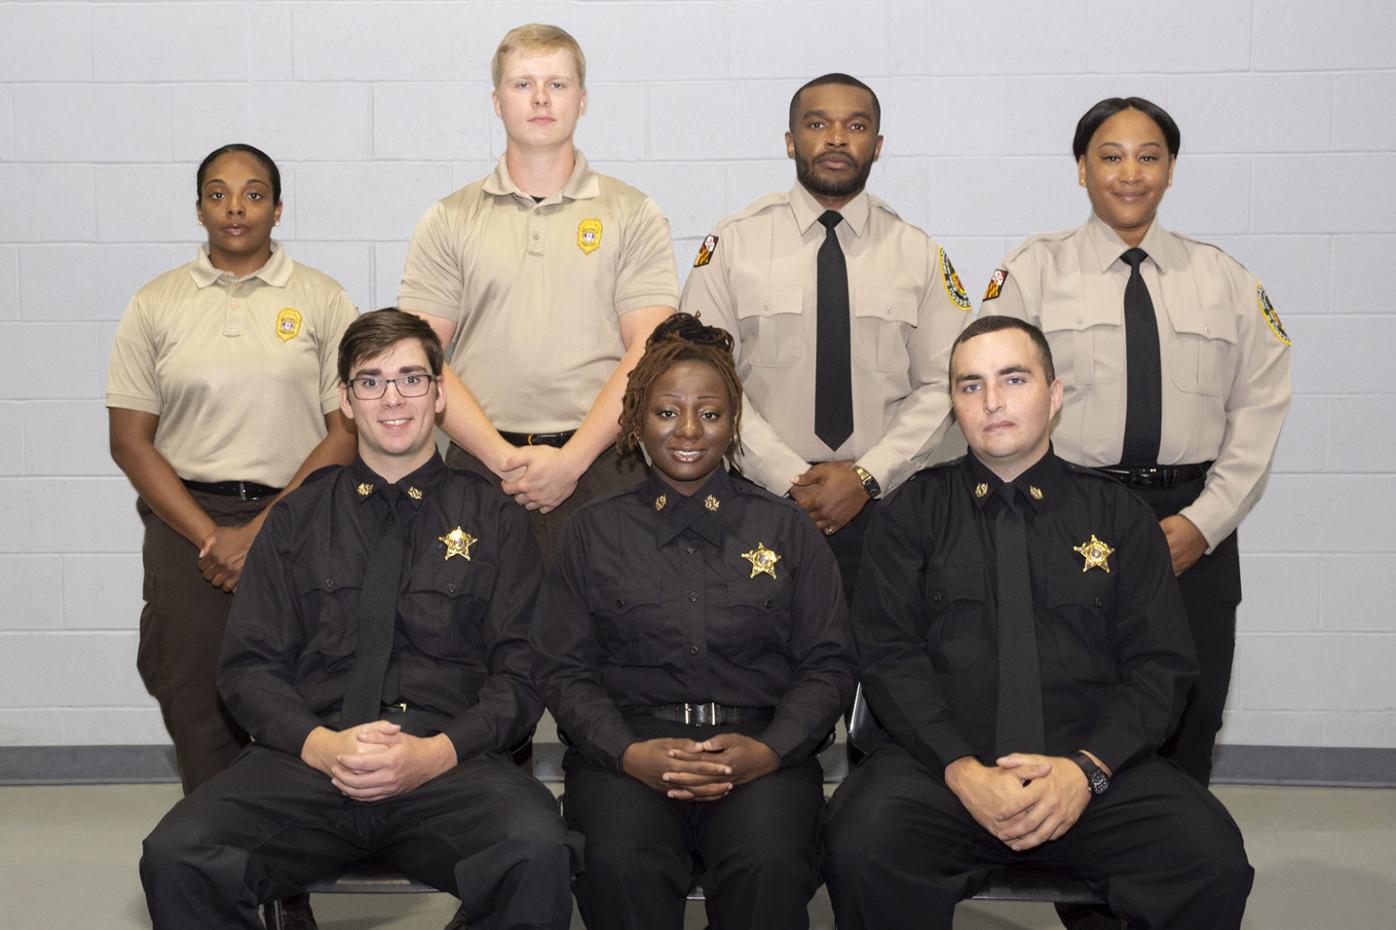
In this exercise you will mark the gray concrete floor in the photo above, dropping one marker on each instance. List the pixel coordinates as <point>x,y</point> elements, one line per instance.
<point>1325,858</point>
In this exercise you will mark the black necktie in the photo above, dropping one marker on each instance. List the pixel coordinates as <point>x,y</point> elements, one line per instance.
<point>1144,404</point>
<point>377,620</point>
<point>833,380</point>
<point>1020,726</point>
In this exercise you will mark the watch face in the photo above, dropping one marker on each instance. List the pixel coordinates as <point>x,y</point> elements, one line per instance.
<point>1099,783</point>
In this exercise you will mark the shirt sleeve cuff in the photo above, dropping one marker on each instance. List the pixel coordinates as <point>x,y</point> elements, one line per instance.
<point>785,738</point>
<point>631,304</point>
<point>471,736</point>
<point>289,731</point>
<point>608,745</point>
<point>1213,527</point>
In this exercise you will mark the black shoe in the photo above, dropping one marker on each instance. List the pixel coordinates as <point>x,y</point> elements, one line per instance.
<point>295,914</point>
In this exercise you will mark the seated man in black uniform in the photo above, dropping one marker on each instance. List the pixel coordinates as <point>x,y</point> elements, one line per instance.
<point>377,651</point>
<point>1025,648</point>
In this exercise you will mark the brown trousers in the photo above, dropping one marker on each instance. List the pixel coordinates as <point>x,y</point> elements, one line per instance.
<point>609,472</point>
<point>181,636</point>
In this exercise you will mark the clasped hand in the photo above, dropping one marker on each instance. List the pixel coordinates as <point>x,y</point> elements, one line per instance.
<point>222,553</point>
<point>1024,800</point>
<point>689,770</point>
<point>374,761</point>
<point>539,477</point>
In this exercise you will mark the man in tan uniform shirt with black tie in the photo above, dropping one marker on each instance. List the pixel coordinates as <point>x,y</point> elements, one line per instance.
<point>842,316</point>
<point>543,281</point>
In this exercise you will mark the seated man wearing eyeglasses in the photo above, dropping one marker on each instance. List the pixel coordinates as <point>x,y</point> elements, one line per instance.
<point>377,652</point>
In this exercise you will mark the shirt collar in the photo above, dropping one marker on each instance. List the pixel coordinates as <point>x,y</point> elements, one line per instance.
<point>808,210</point>
<point>583,184</point>
<point>1040,485</point>
<point>415,487</point>
<point>1162,247</point>
<point>701,511</point>
<point>276,272</point>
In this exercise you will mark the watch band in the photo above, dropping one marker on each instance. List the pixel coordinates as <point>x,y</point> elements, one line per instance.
<point>870,484</point>
<point>1097,782</point>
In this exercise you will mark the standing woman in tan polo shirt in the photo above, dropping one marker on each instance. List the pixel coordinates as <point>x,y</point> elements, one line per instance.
<point>222,396</point>
<point>1176,368</point>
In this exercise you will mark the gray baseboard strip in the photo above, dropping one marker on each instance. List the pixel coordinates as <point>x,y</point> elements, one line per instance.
<point>1345,767</point>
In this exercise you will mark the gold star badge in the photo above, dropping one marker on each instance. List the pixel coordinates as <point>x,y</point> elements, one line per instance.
<point>712,503</point>
<point>414,493</point>
<point>457,542</point>
<point>660,501</point>
<point>1035,491</point>
<point>763,561</point>
<point>1096,553</point>
<point>364,489</point>
<point>981,489</point>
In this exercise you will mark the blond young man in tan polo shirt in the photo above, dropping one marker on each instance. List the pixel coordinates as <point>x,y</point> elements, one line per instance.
<point>543,280</point>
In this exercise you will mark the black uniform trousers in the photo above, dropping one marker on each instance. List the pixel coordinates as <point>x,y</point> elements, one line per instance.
<point>181,636</point>
<point>847,543</point>
<point>1211,593</point>
<point>757,848</point>
<point>901,849</point>
<point>269,824</point>
<point>609,472</point>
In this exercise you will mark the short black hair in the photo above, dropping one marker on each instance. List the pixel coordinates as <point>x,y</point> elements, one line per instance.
<point>993,324</point>
<point>273,172</point>
<point>377,331</point>
<point>1091,121</point>
<point>836,77</point>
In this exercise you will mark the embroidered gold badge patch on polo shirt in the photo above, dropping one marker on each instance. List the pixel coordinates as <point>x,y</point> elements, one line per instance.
<point>953,287</point>
<point>1271,316</point>
<point>457,542</point>
<point>1096,553</point>
<point>288,324</point>
<point>763,561</point>
<point>705,252</point>
<point>589,235</point>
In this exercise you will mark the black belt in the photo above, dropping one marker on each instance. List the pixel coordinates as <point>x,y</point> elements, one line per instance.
<point>412,720</point>
<point>557,440</point>
<point>710,714</point>
<point>1155,476</point>
<point>247,490</point>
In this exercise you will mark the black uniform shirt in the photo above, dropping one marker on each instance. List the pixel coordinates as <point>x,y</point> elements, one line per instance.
<point>1115,652</point>
<point>461,645</point>
<point>656,598</point>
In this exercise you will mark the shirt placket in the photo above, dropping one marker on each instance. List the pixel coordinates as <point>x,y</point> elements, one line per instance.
<point>693,611</point>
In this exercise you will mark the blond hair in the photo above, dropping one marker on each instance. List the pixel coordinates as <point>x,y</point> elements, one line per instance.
<point>537,37</point>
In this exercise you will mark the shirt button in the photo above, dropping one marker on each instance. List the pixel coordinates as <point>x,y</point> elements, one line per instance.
<point>935,596</point>
<point>536,237</point>
<point>693,597</point>
<point>691,549</point>
<point>329,582</point>
<point>769,602</point>
<point>1099,602</point>
<point>620,602</point>
<point>693,650</point>
<point>450,589</point>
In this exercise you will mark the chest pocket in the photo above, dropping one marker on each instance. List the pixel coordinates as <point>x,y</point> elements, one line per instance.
<point>1203,354</point>
<point>629,624</point>
<point>1081,634</point>
<point>755,623</point>
<point>328,598</point>
<point>772,328</point>
<point>959,633</point>
<point>882,322</point>
<point>444,606</point>
<point>1087,338</point>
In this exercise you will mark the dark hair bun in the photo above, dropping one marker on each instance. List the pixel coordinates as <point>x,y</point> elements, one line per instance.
<point>686,327</point>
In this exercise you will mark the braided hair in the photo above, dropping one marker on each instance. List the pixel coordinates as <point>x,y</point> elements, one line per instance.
<point>680,338</point>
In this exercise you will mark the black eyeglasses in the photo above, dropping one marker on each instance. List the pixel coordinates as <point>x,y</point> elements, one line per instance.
<point>369,387</point>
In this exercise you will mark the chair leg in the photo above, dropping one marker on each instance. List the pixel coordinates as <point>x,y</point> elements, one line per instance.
<point>273,910</point>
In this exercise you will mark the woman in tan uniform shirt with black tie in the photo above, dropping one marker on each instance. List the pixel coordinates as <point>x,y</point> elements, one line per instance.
<point>1176,368</point>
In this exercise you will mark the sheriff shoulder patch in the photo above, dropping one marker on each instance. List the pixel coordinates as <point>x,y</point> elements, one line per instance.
<point>705,252</point>
<point>1272,317</point>
<point>996,283</point>
<point>953,288</point>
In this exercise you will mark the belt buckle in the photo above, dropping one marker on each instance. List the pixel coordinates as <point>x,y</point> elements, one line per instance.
<point>702,715</point>
<point>530,441</point>
<point>242,490</point>
<point>1146,477</point>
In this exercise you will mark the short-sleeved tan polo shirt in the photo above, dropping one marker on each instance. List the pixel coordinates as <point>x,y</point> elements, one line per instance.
<point>240,371</point>
<point>537,289</point>
<point>1222,347</point>
<point>756,277</point>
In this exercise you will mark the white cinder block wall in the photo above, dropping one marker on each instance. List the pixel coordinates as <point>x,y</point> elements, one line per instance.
<point>376,109</point>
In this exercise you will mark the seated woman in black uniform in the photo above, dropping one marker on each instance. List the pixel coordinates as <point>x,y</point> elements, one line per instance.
<point>693,644</point>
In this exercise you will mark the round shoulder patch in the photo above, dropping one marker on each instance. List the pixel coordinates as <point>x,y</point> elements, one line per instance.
<point>953,288</point>
<point>1272,317</point>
